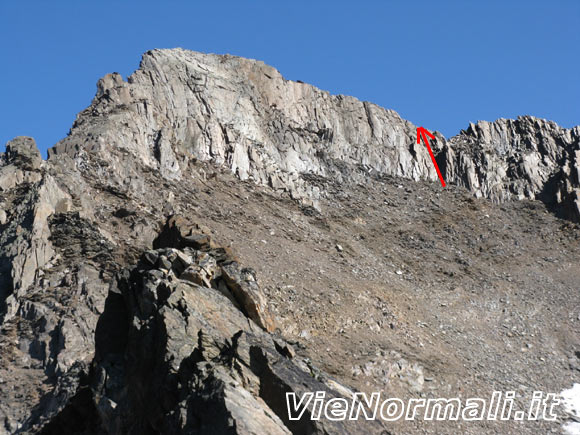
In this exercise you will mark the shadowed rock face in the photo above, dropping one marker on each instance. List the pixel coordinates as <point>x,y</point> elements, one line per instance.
<point>515,159</point>
<point>173,356</point>
<point>121,313</point>
<point>22,152</point>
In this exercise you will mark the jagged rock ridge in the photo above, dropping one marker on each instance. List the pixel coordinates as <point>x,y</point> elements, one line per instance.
<point>181,105</point>
<point>515,159</point>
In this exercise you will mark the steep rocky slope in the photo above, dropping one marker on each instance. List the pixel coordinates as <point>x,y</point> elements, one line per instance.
<point>125,308</point>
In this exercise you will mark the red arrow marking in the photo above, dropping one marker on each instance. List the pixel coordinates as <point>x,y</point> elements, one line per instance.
<point>423,132</point>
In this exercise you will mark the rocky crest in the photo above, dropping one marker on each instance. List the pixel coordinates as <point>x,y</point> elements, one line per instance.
<point>515,159</point>
<point>181,105</point>
<point>121,313</point>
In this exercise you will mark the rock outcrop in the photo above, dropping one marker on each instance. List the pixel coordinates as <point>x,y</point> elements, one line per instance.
<point>182,346</point>
<point>177,356</point>
<point>516,159</point>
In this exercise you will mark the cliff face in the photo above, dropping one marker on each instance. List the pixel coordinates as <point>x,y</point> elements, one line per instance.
<point>515,159</point>
<point>243,114</point>
<point>110,301</point>
<point>181,105</point>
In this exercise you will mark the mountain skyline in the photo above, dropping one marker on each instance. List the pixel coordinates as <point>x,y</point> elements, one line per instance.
<point>405,57</point>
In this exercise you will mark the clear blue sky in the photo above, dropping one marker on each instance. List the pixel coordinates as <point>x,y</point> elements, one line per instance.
<point>440,64</point>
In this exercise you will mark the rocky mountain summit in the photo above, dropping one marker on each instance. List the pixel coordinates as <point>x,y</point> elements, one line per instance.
<point>211,236</point>
<point>181,105</point>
